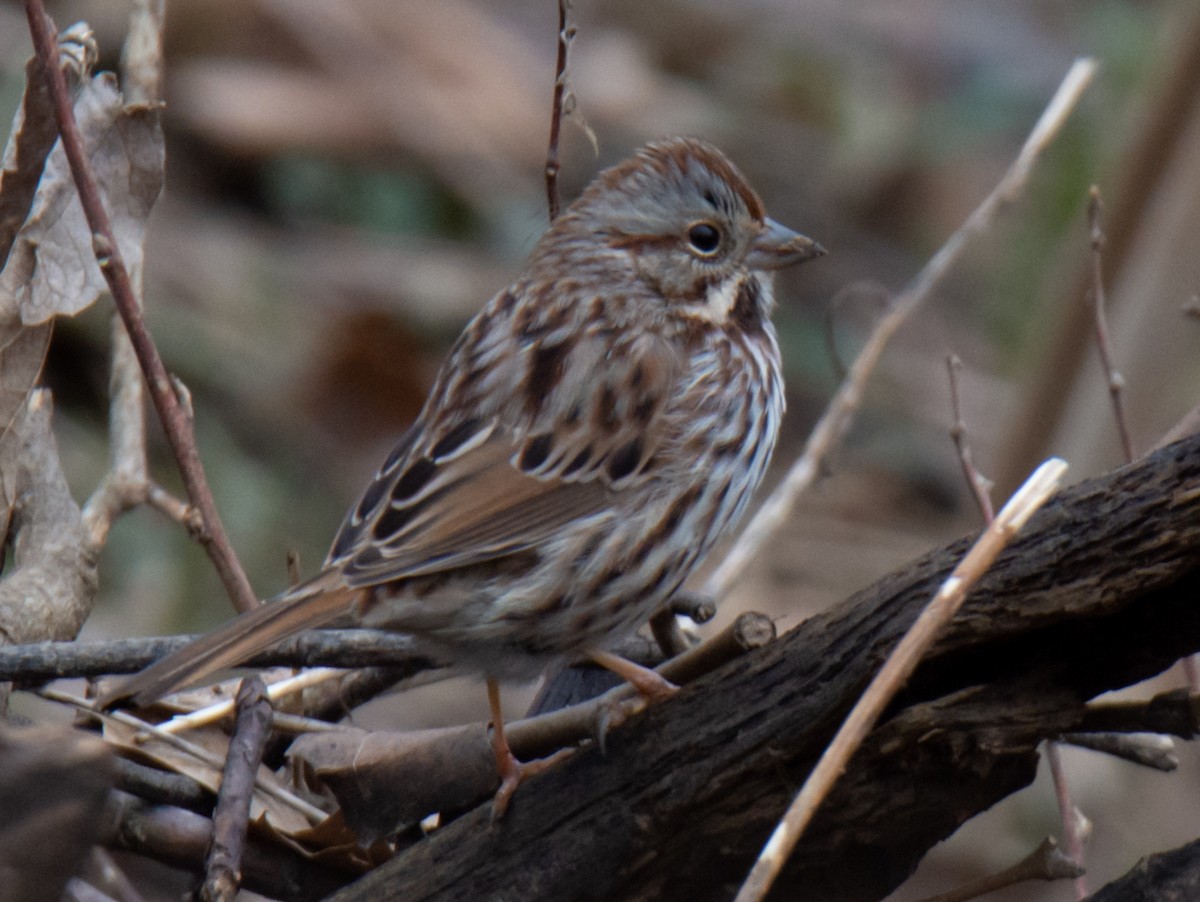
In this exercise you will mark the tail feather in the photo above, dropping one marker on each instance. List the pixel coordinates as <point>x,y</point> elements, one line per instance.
<point>307,606</point>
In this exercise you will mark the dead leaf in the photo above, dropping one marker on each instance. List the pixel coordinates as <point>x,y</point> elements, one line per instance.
<point>283,818</point>
<point>51,270</point>
<point>385,780</point>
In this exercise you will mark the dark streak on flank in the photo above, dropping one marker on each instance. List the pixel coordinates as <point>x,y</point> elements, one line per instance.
<point>508,300</point>
<point>577,462</point>
<point>546,369</point>
<point>681,506</point>
<point>414,479</point>
<point>371,497</point>
<point>624,460</point>
<point>606,411</point>
<point>537,449</point>
<point>454,439</point>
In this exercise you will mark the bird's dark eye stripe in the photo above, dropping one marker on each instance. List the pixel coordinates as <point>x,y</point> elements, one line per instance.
<point>704,237</point>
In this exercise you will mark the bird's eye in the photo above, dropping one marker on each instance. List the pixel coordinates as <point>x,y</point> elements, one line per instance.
<point>705,238</point>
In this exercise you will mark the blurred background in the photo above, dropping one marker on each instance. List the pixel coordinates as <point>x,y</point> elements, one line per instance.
<point>347,182</point>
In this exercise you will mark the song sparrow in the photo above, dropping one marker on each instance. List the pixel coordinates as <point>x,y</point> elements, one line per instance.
<point>595,429</point>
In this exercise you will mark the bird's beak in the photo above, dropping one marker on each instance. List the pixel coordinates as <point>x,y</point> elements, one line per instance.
<point>778,246</point>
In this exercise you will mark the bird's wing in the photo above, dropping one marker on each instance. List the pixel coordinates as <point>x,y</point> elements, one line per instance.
<point>480,477</point>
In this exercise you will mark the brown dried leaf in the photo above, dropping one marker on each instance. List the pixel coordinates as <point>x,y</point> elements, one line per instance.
<point>385,780</point>
<point>22,352</point>
<point>34,130</point>
<point>283,818</point>
<point>332,842</point>
<point>51,270</point>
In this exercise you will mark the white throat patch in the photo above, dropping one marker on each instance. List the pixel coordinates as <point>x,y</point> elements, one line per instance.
<point>719,305</point>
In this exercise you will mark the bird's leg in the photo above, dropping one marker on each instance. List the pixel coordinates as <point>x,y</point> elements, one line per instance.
<point>651,685</point>
<point>512,771</point>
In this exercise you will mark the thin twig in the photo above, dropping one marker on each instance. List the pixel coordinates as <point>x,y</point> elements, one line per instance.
<point>162,787</point>
<point>1152,750</point>
<point>1046,862</point>
<point>845,403</point>
<point>231,817</point>
<point>980,486</point>
<point>1176,712</point>
<point>565,34</point>
<point>126,484</point>
<point>1075,824</point>
<point>177,425</point>
<point>212,713</point>
<point>895,672</point>
<point>1116,382</point>
<point>41,661</point>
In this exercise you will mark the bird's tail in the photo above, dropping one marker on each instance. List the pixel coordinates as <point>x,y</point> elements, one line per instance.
<point>305,606</point>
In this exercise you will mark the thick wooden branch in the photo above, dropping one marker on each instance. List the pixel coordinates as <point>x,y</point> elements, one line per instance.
<point>1098,593</point>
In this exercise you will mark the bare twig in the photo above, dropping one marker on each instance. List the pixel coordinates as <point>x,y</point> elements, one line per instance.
<point>981,487</point>
<point>41,661</point>
<point>1046,862</point>
<point>842,408</point>
<point>1176,712</point>
<point>565,35</point>
<point>1075,825</point>
<point>1151,750</point>
<point>162,787</point>
<point>126,484</point>
<point>223,864</point>
<point>1116,382</point>
<point>176,423</point>
<point>895,672</point>
<point>213,713</point>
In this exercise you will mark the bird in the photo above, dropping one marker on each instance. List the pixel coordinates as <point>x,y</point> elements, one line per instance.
<point>594,430</point>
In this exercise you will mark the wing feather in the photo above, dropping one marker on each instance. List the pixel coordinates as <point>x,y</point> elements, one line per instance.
<point>476,481</point>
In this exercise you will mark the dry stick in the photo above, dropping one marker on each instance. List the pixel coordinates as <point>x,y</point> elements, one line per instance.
<point>895,672</point>
<point>1116,382</point>
<point>845,402</point>
<point>1151,750</point>
<point>565,35</point>
<point>210,714</point>
<point>176,423</point>
<point>1046,862</point>
<point>1074,823</point>
<point>231,818</point>
<point>981,486</point>
<point>1076,826</point>
<point>126,484</point>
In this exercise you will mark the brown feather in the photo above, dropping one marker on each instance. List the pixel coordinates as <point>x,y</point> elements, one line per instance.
<point>310,605</point>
